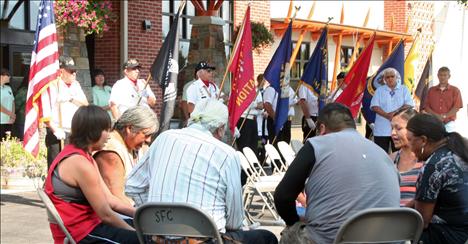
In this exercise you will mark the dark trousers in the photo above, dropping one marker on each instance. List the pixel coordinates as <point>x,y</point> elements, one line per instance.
<point>248,138</point>
<point>248,135</point>
<point>53,146</point>
<point>306,131</point>
<point>252,236</point>
<point>108,234</point>
<point>440,233</point>
<point>283,135</point>
<point>385,142</point>
<point>3,130</point>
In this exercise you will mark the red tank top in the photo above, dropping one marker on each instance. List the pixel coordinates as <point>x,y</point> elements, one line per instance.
<point>79,219</point>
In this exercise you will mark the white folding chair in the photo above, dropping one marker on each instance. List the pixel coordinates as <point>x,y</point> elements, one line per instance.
<point>296,145</point>
<point>174,219</point>
<point>263,186</point>
<point>287,152</point>
<point>274,155</point>
<point>253,160</point>
<point>381,225</point>
<point>54,217</point>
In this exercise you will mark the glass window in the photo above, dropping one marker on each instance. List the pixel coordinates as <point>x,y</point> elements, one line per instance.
<point>17,21</point>
<point>302,58</point>
<point>189,9</point>
<point>165,25</point>
<point>34,9</point>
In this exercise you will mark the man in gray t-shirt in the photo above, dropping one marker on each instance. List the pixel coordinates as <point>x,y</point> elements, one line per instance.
<point>341,172</point>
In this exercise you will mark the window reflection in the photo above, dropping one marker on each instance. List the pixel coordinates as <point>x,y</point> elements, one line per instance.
<point>33,10</point>
<point>17,21</point>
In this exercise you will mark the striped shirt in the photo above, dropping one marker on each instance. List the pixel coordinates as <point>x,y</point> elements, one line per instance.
<point>408,181</point>
<point>189,165</point>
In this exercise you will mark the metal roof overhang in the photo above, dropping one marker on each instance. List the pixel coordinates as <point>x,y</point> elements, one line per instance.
<point>383,38</point>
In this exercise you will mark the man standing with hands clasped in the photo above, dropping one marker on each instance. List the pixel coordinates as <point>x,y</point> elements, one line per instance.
<point>66,96</point>
<point>129,91</point>
<point>444,100</point>
<point>387,99</point>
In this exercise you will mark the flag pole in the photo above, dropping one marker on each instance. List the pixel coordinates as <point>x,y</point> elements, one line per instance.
<point>243,121</point>
<point>300,81</point>
<point>337,52</point>
<point>236,45</point>
<point>144,88</point>
<point>289,68</point>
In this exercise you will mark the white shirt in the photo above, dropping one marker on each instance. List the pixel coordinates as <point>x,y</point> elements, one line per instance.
<point>253,110</point>
<point>62,109</point>
<point>184,90</point>
<point>125,94</point>
<point>198,91</point>
<point>384,99</point>
<point>271,96</point>
<point>190,165</point>
<point>310,99</point>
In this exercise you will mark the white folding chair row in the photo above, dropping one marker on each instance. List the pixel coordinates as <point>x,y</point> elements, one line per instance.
<point>287,152</point>
<point>263,186</point>
<point>253,160</point>
<point>274,156</point>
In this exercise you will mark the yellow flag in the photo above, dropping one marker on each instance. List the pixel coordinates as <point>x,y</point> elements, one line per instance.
<point>411,64</point>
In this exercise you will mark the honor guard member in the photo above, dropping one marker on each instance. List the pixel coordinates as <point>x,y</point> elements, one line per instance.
<point>203,87</point>
<point>128,91</point>
<point>270,99</point>
<point>309,104</point>
<point>66,96</point>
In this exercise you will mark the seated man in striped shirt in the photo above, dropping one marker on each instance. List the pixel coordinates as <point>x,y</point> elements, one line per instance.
<point>192,165</point>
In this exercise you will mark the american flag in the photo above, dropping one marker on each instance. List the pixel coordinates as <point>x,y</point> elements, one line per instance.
<point>44,70</point>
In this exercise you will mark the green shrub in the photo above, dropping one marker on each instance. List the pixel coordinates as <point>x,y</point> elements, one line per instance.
<point>13,158</point>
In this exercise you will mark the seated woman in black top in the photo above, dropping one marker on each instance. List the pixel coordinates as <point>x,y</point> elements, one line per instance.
<point>442,186</point>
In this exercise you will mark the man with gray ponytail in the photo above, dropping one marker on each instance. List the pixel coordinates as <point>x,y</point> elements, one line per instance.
<point>192,165</point>
<point>124,148</point>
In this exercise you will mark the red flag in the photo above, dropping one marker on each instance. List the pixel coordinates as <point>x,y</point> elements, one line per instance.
<point>243,90</point>
<point>356,78</point>
<point>44,69</point>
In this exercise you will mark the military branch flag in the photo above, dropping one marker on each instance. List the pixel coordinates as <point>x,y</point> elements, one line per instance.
<point>43,70</point>
<point>315,75</point>
<point>411,64</point>
<point>396,60</point>
<point>165,69</point>
<point>356,80</point>
<point>243,90</point>
<point>277,74</point>
<point>424,82</point>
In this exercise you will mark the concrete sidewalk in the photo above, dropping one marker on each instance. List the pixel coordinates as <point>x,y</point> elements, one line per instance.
<point>23,218</point>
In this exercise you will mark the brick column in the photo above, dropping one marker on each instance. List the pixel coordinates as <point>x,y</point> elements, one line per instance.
<point>206,43</point>
<point>71,42</point>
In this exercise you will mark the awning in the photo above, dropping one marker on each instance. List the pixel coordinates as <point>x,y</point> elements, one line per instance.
<point>383,38</point>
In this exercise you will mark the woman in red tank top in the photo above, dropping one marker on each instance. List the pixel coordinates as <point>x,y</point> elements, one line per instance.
<point>86,206</point>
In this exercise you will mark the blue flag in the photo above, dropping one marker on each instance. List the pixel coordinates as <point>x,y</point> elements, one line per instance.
<point>315,75</point>
<point>396,60</point>
<point>277,74</point>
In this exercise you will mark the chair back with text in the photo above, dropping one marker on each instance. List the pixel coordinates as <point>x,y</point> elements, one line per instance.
<point>174,219</point>
<point>53,216</point>
<point>381,225</point>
